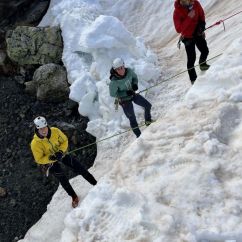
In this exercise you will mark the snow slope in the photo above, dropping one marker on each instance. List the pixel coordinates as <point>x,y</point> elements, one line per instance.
<point>181,180</point>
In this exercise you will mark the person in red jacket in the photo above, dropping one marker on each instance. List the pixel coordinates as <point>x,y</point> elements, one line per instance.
<point>189,21</point>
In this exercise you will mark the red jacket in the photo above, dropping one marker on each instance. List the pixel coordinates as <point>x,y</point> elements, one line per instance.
<point>185,25</point>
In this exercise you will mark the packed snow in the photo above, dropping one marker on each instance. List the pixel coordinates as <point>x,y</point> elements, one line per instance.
<point>181,179</point>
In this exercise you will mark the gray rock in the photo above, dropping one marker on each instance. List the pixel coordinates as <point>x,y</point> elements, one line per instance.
<point>34,45</point>
<point>51,82</point>
<point>67,128</point>
<point>30,87</point>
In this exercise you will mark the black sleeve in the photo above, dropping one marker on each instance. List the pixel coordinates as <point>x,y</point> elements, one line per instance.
<point>135,87</point>
<point>202,25</point>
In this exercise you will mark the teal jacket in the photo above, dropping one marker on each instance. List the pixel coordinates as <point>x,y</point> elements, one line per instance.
<point>119,86</point>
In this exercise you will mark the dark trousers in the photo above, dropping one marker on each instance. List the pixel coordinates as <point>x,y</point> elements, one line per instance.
<point>74,164</point>
<point>190,44</point>
<point>129,111</point>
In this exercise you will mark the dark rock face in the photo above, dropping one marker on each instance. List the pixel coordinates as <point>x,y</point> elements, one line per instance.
<point>9,8</point>
<point>24,190</point>
<point>27,190</point>
<point>22,11</point>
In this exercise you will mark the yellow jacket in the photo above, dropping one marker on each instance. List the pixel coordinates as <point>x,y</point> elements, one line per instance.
<point>42,148</point>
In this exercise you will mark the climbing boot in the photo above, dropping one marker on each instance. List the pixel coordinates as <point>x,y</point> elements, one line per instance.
<point>204,67</point>
<point>75,201</point>
<point>148,122</point>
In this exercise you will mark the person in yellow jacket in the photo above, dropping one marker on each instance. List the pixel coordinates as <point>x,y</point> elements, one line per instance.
<point>49,146</point>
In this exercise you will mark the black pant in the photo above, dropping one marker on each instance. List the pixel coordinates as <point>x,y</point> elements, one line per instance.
<point>73,163</point>
<point>190,44</point>
<point>129,111</point>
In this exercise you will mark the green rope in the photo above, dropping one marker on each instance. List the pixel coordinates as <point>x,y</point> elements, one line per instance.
<point>109,137</point>
<point>157,84</point>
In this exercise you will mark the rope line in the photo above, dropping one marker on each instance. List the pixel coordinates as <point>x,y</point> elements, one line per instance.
<point>128,130</point>
<point>223,20</point>
<point>109,137</point>
<point>157,84</point>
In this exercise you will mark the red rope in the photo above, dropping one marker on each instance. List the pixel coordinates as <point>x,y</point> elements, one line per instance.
<point>222,21</point>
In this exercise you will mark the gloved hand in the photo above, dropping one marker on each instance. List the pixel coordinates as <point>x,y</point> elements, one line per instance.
<point>59,154</point>
<point>202,25</point>
<point>135,87</point>
<point>52,157</point>
<point>130,92</point>
<point>199,31</point>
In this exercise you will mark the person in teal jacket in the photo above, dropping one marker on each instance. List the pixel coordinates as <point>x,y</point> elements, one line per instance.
<point>124,83</point>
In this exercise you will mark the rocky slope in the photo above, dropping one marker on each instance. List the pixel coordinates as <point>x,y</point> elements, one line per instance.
<point>28,190</point>
<point>24,190</point>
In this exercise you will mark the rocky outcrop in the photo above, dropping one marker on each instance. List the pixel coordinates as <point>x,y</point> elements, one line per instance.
<point>49,83</point>
<point>33,45</point>
<point>24,190</point>
<point>12,14</point>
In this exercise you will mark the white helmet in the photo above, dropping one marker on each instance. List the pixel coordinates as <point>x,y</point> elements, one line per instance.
<point>118,62</point>
<point>40,122</point>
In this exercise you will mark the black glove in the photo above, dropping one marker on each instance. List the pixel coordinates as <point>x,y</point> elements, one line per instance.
<point>52,157</point>
<point>135,87</point>
<point>59,155</point>
<point>200,29</point>
<point>202,26</point>
<point>130,92</point>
